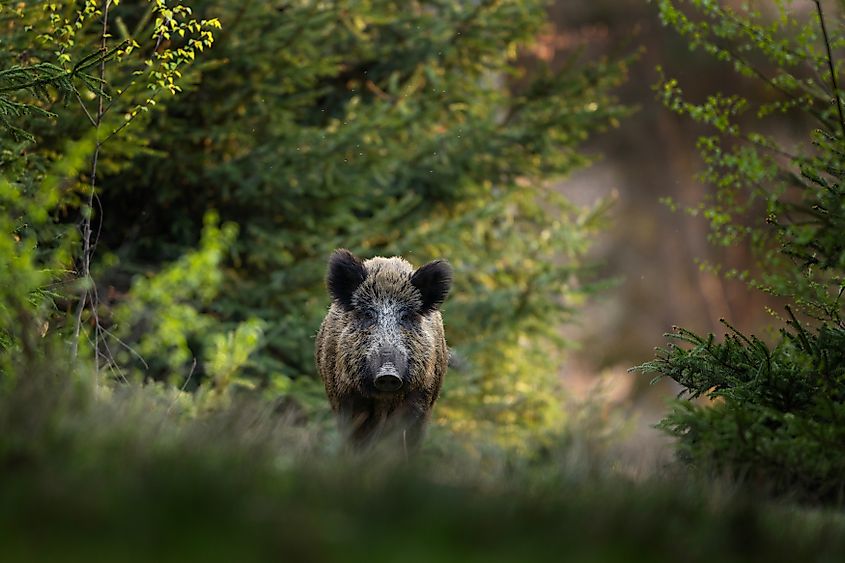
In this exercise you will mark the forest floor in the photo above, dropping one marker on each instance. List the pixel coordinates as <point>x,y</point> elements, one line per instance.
<point>134,475</point>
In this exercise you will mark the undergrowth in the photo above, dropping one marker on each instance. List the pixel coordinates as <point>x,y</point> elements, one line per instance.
<point>130,473</point>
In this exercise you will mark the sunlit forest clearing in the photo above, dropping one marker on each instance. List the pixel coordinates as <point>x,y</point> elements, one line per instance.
<point>176,177</point>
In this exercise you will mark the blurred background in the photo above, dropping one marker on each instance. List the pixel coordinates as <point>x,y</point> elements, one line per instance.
<point>657,252</point>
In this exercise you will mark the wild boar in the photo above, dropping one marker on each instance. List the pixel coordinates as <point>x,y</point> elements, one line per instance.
<point>381,350</point>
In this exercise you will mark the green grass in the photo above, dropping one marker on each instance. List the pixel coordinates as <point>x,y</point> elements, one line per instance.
<point>129,476</point>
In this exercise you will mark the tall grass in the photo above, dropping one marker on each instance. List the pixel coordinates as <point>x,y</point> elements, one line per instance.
<point>135,473</point>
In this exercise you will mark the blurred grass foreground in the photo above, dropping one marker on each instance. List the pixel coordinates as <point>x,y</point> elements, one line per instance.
<point>132,477</point>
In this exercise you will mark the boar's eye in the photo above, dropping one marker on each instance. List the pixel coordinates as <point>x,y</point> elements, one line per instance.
<point>406,317</point>
<point>369,316</point>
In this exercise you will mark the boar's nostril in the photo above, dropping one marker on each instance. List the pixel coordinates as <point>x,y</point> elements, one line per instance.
<point>388,383</point>
<point>387,378</point>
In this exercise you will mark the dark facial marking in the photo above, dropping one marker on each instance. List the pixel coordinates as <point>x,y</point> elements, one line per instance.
<point>408,318</point>
<point>367,316</point>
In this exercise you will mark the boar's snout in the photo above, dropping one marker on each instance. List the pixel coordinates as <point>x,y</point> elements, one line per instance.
<point>389,370</point>
<point>388,379</point>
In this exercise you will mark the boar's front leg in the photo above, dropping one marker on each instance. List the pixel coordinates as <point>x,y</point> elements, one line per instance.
<point>414,414</point>
<point>357,421</point>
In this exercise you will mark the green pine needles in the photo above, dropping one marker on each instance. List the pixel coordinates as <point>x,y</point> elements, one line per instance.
<point>777,418</point>
<point>36,80</point>
<point>778,414</point>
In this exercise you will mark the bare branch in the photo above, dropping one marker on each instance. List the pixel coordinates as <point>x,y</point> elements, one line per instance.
<point>831,65</point>
<point>89,296</point>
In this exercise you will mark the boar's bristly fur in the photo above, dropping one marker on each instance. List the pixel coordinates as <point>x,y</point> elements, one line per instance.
<point>381,350</point>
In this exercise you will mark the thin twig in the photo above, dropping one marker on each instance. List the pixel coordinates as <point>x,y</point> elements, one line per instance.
<point>831,65</point>
<point>85,109</point>
<point>87,295</point>
<point>184,385</point>
<point>119,129</point>
<point>116,97</point>
<point>111,363</point>
<point>109,360</point>
<point>128,348</point>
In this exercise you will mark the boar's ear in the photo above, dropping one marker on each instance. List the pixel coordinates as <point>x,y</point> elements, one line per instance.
<point>433,280</point>
<point>346,273</point>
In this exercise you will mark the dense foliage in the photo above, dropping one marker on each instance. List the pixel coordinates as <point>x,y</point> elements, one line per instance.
<point>778,416</point>
<point>385,127</point>
<point>73,100</point>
